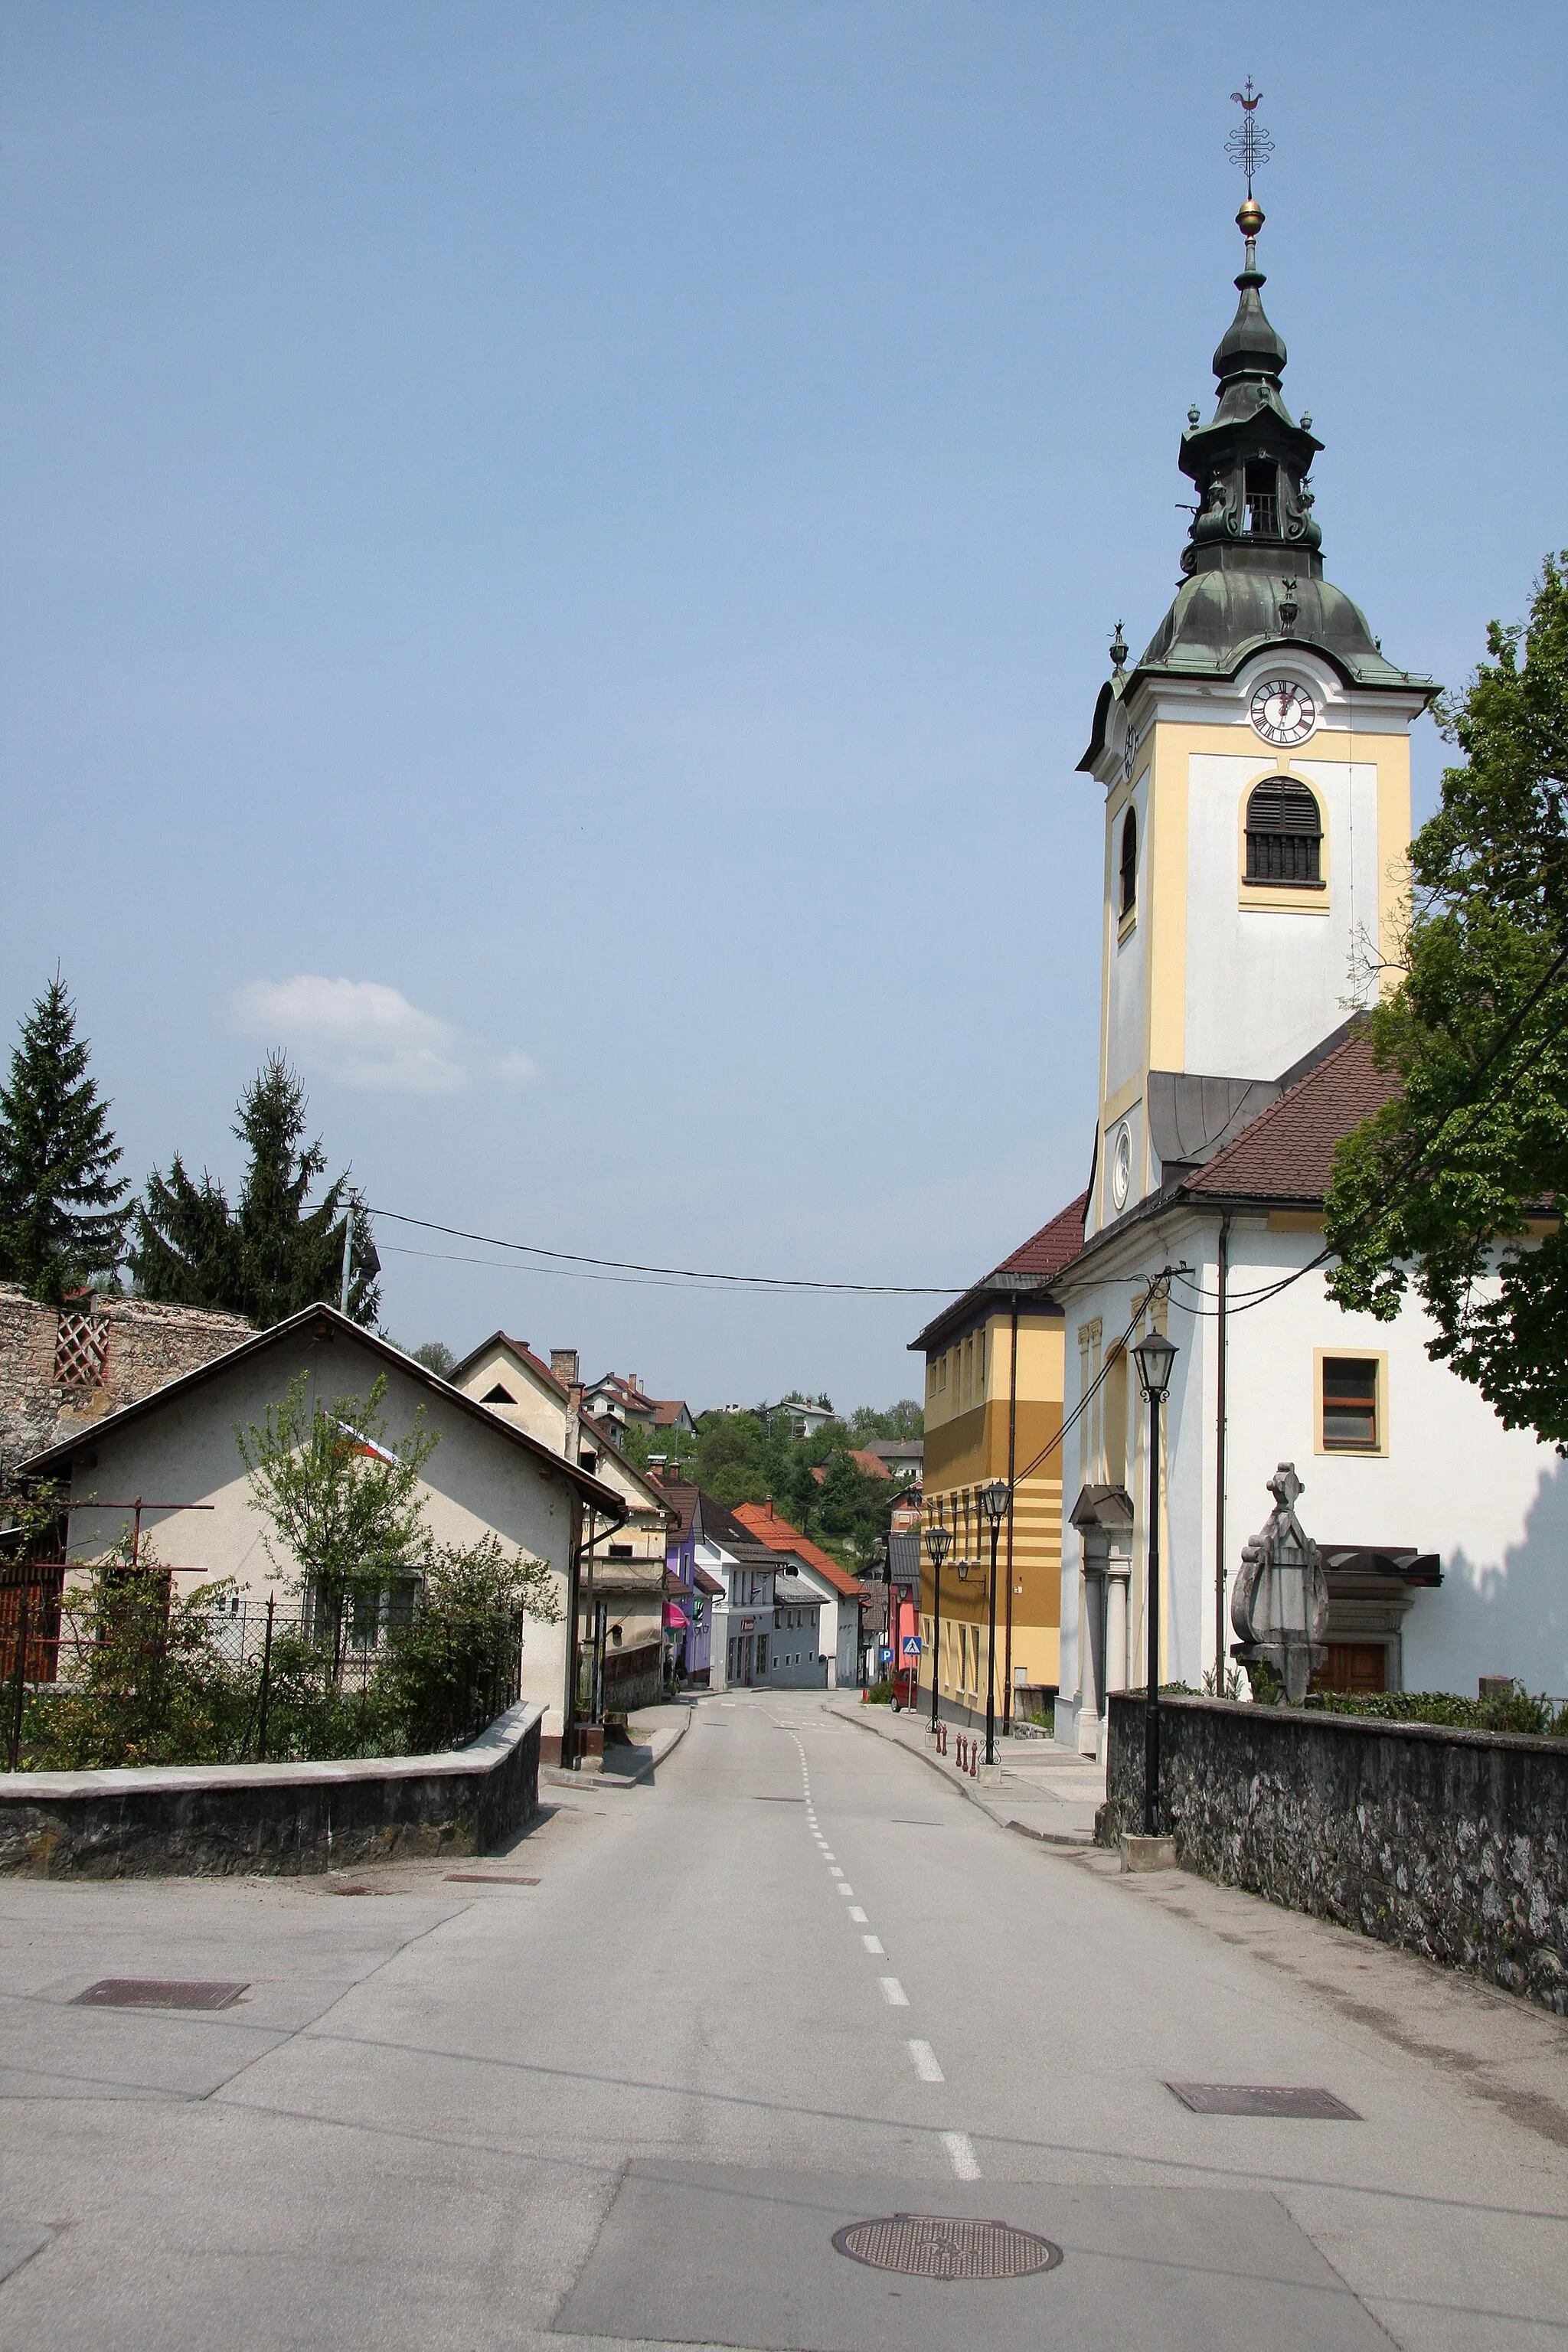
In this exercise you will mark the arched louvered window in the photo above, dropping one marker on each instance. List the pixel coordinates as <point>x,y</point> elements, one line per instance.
<point>1284,833</point>
<point>1128,862</point>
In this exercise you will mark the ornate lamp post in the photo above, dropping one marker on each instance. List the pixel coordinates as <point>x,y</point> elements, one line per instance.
<point>1153,1356</point>
<point>994,1500</point>
<point>938,1543</point>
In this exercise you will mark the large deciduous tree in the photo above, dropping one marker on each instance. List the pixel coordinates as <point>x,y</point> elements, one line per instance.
<point>1457,1185</point>
<point>61,1218</point>
<point>273,1253</point>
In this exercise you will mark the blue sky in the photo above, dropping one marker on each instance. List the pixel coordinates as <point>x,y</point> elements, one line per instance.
<point>556,562</point>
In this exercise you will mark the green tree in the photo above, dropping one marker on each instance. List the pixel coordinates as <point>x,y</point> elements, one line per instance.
<point>342,1498</point>
<point>273,1253</point>
<point>436,1357</point>
<point>1457,1185</point>
<point>61,1218</point>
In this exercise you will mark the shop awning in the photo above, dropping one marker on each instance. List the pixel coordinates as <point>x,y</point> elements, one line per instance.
<point>673,1615</point>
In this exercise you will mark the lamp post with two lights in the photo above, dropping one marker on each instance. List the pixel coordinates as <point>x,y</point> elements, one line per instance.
<point>994,1500</point>
<point>938,1543</point>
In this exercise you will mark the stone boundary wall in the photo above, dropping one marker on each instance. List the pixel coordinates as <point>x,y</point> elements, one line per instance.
<point>213,1821</point>
<point>634,1676</point>
<point>141,1345</point>
<point>1450,1843</point>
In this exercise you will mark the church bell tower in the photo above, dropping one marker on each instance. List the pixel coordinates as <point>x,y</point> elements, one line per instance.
<point>1256,768</point>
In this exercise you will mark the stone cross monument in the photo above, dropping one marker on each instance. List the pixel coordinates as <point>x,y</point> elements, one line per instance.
<point>1280,1605</point>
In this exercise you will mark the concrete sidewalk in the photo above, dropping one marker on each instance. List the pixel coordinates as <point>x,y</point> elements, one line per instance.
<point>655,1732</point>
<point>1044,1791</point>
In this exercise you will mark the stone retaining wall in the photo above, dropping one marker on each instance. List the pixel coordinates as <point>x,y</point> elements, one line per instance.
<point>210,1821</point>
<point>1451,1844</point>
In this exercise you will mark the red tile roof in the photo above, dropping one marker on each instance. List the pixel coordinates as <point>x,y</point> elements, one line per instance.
<point>1286,1154</point>
<point>1054,1246</point>
<point>760,1520</point>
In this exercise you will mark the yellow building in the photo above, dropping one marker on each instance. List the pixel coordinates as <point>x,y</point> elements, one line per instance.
<point>995,1381</point>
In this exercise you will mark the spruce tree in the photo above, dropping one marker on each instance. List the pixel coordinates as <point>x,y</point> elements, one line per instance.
<point>61,1216</point>
<point>272,1253</point>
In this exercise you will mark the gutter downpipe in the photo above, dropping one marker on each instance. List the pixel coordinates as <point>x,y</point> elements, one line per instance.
<point>1224,1271</point>
<point>1012,1464</point>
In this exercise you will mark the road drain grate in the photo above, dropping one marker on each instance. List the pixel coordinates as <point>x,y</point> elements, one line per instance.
<point>942,2246</point>
<point>489,1878</point>
<point>1263,2099</point>
<point>157,1992</point>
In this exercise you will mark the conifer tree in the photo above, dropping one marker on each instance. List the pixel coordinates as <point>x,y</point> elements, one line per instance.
<point>61,1216</point>
<point>272,1253</point>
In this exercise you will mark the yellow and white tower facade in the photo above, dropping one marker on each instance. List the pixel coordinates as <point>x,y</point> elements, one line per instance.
<point>1256,767</point>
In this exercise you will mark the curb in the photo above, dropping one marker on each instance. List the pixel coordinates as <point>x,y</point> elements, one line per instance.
<point>558,1779</point>
<point>954,1780</point>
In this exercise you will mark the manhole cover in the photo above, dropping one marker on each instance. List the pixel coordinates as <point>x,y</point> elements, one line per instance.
<point>1263,2099</point>
<point>157,1992</point>
<point>940,2246</point>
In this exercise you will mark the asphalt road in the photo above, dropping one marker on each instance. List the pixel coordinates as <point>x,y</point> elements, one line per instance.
<point>797,1983</point>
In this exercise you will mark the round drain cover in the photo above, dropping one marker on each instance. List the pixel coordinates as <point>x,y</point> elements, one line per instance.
<point>942,2246</point>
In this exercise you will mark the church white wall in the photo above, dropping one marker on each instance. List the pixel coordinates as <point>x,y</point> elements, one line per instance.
<point>1263,988</point>
<point>1493,1503</point>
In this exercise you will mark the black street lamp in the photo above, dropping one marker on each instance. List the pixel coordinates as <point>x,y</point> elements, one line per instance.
<point>993,1501</point>
<point>1153,1356</point>
<point>938,1543</point>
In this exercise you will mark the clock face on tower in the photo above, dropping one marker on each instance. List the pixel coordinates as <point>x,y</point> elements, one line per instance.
<point>1282,713</point>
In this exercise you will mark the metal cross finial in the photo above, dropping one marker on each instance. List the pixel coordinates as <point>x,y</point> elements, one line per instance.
<point>1249,145</point>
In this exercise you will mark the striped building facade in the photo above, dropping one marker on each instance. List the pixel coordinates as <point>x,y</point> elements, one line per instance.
<point>995,1376</point>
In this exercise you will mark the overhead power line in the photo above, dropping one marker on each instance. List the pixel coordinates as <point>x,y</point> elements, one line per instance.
<point>680,1273</point>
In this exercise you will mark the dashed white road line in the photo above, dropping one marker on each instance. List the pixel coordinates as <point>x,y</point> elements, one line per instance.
<point>925,2064</point>
<point>857,1915</point>
<point>874,1944</point>
<point>893,1992</point>
<point>961,2155</point>
<point>836,1872</point>
<point>845,1889</point>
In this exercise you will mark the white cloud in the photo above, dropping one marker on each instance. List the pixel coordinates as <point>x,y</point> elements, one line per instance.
<point>360,1032</point>
<point>515,1069</point>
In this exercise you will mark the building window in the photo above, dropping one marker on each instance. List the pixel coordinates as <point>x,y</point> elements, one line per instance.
<point>1284,833</point>
<point>1129,864</point>
<point>1262,495</point>
<point>1352,1419</point>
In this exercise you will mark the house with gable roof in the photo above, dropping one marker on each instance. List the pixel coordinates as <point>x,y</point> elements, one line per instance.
<point>621,1588</point>
<point>174,1444</point>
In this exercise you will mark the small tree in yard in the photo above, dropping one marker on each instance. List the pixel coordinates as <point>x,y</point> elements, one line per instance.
<point>61,1218</point>
<point>1457,1186</point>
<point>460,1652</point>
<point>342,1500</point>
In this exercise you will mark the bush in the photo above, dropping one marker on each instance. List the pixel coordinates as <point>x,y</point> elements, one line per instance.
<point>1517,1712</point>
<point>881,1693</point>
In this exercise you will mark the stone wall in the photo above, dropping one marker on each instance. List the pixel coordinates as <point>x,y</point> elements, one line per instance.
<point>211,1820</point>
<point>634,1677</point>
<point>1451,1844</point>
<point>62,1368</point>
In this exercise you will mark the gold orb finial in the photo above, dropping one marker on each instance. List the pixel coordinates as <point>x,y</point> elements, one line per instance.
<point>1249,219</point>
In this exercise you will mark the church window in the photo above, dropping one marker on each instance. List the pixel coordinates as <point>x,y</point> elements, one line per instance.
<point>1128,862</point>
<point>1284,833</point>
<point>1262,492</point>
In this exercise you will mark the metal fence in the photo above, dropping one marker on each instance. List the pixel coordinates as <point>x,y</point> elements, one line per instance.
<point>319,1676</point>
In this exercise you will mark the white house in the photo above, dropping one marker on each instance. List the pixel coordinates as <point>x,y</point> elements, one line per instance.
<point>175,1446</point>
<point>1254,769</point>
